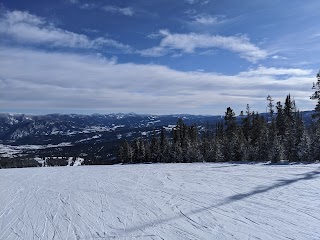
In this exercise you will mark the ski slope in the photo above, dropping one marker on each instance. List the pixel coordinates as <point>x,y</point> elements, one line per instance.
<point>161,201</point>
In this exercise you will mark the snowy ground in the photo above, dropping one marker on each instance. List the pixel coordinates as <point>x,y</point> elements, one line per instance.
<point>161,201</point>
<point>10,150</point>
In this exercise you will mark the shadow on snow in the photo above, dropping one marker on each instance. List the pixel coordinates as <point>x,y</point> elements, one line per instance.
<point>237,197</point>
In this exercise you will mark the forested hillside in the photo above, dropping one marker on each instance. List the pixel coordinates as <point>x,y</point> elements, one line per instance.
<point>279,135</point>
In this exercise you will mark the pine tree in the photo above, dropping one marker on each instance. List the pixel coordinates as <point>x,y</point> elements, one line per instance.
<point>289,108</point>
<point>289,134</point>
<point>230,120</point>
<point>278,151</point>
<point>259,138</point>
<point>230,141</point>
<point>303,146</point>
<point>218,143</point>
<point>315,142</point>
<point>125,153</point>
<point>270,106</point>
<point>315,128</point>
<point>272,130</point>
<point>142,151</point>
<point>218,149</point>
<point>280,120</point>
<point>316,96</point>
<point>135,150</point>
<point>154,148</point>
<point>246,124</point>
<point>164,147</point>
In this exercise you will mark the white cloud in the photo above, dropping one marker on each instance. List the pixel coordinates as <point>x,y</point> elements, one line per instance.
<point>73,1</point>
<point>127,11</point>
<point>154,35</point>
<point>153,52</point>
<point>80,82</point>
<point>202,2</point>
<point>263,71</point>
<point>114,9</point>
<point>279,57</point>
<point>188,43</point>
<point>88,6</point>
<point>191,1</point>
<point>206,20</point>
<point>27,28</point>
<point>190,11</point>
<point>208,52</point>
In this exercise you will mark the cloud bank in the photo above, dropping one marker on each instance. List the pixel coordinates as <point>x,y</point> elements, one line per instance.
<point>75,82</point>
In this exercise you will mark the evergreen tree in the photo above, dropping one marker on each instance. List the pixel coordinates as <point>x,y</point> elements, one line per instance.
<point>280,120</point>
<point>230,120</point>
<point>290,141</point>
<point>316,96</point>
<point>272,130</point>
<point>315,136</point>
<point>164,147</point>
<point>125,153</point>
<point>154,148</point>
<point>288,111</point>
<point>315,142</point>
<point>218,148</point>
<point>230,140</point>
<point>270,106</point>
<point>283,138</point>
<point>246,124</point>
<point>278,151</point>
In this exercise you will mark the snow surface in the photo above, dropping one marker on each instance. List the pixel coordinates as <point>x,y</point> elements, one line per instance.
<point>88,139</point>
<point>161,201</point>
<point>10,150</point>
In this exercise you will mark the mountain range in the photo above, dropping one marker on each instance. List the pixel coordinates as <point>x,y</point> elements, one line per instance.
<point>73,135</point>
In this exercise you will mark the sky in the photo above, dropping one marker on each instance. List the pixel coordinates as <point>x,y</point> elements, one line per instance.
<point>156,57</point>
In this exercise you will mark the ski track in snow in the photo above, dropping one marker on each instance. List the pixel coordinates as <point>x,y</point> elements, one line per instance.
<point>161,201</point>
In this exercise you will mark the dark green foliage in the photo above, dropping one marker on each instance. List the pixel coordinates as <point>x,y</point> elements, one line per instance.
<point>280,120</point>
<point>18,163</point>
<point>56,162</point>
<point>316,96</point>
<point>270,106</point>
<point>256,139</point>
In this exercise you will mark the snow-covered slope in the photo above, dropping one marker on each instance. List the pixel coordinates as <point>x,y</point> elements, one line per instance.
<point>161,201</point>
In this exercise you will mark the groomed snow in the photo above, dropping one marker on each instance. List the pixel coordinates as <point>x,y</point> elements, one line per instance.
<point>161,201</point>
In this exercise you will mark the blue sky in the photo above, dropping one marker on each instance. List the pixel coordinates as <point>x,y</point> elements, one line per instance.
<point>158,57</point>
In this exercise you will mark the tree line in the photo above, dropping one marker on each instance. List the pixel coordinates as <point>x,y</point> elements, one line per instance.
<point>279,135</point>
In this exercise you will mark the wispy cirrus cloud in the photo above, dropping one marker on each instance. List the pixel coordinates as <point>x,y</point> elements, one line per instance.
<point>206,20</point>
<point>191,1</point>
<point>190,42</point>
<point>202,2</point>
<point>153,52</point>
<point>263,71</point>
<point>73,1</point>
<point>278,57</point>
<point>88,6</point>
<point>127,11</point>
<point>24,27</point>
